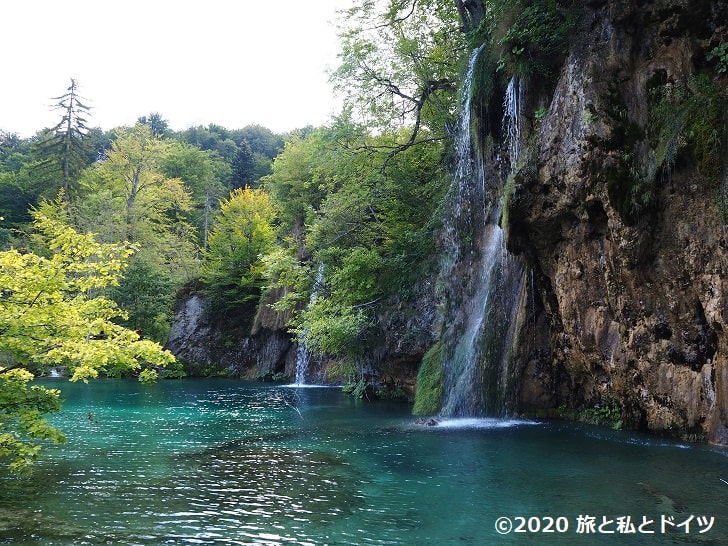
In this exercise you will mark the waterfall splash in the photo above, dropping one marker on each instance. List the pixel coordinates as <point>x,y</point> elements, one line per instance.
<point>485,283</point>
<point>303,355</point>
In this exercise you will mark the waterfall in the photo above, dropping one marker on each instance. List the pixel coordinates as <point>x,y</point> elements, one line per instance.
<point>478,375</point>
<point>512,102</point>
<point>303,355</point>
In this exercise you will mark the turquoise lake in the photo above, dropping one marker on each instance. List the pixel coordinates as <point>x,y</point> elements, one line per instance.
<point>226,462</point>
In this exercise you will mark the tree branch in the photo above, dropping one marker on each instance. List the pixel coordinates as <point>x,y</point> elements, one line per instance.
<point>359,306</point>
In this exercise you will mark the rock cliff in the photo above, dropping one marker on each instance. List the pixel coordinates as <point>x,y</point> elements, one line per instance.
<point>616,215</point>
<point>208,347</point>
<point>615,211</point>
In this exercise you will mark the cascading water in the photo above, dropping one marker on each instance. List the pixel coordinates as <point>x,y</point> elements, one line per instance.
<point>303,355</point>
<point>511,123</point>
<point>477,359</point>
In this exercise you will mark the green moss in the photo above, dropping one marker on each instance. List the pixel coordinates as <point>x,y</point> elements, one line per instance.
<point>509,190</point>
<point>537,40</point>
<point>428,396</point>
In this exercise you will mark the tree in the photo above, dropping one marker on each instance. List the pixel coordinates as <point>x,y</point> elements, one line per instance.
<point>157,124</point>
<point>243,166</point>
<point>372,229</point>
<point>70,133</point>
<point>53,313</point>
<point>204,173</point>
<point>213,137</point>
<point>243,231</point>
<point>128,196</point>
<point>399,65</point>
<point>22,425</point>
<point>260,139</point>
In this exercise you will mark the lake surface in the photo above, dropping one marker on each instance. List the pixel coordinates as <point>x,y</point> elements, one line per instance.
<point>224,462</point>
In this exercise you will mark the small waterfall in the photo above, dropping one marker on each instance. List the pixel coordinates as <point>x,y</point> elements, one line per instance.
<point>303,355</point>
<point>512,104</point>
<point>468,164</point>
<point>479,379</point>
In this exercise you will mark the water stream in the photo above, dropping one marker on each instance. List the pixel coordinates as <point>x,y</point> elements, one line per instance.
<point>211,462</point>
<point>303,354</point>
<point>512,104</point>
<point>478,376</point>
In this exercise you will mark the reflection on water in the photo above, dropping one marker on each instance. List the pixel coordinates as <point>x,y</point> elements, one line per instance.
<point>224,462</point>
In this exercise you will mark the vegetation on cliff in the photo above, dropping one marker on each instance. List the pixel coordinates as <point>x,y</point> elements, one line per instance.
<point>341,223</point>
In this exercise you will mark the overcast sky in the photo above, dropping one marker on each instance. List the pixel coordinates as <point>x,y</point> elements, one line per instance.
<point>229,62</point>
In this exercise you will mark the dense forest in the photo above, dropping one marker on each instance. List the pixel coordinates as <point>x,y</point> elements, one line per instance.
<point>353,211</point>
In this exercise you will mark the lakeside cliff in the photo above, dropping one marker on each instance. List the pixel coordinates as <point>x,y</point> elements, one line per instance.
<point>613,213</point>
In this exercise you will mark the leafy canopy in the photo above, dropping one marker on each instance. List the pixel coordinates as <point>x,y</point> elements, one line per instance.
<point>53,313</point>
<point>362,232</point>
<point>243,231</point>
<point>22,424</point>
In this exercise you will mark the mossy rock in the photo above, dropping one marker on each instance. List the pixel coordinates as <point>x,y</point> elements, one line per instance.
<point>428,395</point>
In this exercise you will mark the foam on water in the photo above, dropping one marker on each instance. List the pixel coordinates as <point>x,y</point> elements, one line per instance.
<point>484,423</point>
<point>479,423</point>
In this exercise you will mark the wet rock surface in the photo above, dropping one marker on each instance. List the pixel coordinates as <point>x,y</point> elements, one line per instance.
<point>635,302</point>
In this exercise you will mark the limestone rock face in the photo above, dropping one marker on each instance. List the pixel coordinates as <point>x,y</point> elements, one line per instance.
<point>206,347</point>
<point>632,304</point>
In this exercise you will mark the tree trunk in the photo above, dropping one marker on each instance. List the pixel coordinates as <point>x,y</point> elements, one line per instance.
<point>471,13</point>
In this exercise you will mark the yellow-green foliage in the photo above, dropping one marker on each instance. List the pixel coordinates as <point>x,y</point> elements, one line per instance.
<point>428,395</point>
<point>52,313</point>
<point>21,419</point>
<point>243,231</point>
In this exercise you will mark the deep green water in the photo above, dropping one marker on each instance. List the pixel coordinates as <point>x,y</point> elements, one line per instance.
<point>225,462</point>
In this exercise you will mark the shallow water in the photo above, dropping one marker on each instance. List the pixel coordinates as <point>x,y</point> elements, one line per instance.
<point>225,462</point>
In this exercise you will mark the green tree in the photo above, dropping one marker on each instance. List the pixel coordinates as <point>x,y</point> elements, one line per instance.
<point>23,426</point>
<point>297,183</point>
<point>128,196</point>
<point>71,133</point>
<point>261,140</point>
<point>371,228</point>
<point>157,124</point>
<point>213,137</point>
<point>244,167</point>
<point>243,231</point>
<point>52,313</point>
<point>204,173</point>
<point>399,65</point>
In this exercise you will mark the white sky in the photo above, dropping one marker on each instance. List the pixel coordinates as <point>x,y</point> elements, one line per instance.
<point>229,62</point>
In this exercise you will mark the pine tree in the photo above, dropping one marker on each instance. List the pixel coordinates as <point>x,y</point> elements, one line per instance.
<point>69,140</point>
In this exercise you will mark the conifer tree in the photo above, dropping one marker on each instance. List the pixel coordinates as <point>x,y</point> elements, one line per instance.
<point>68,141</point>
